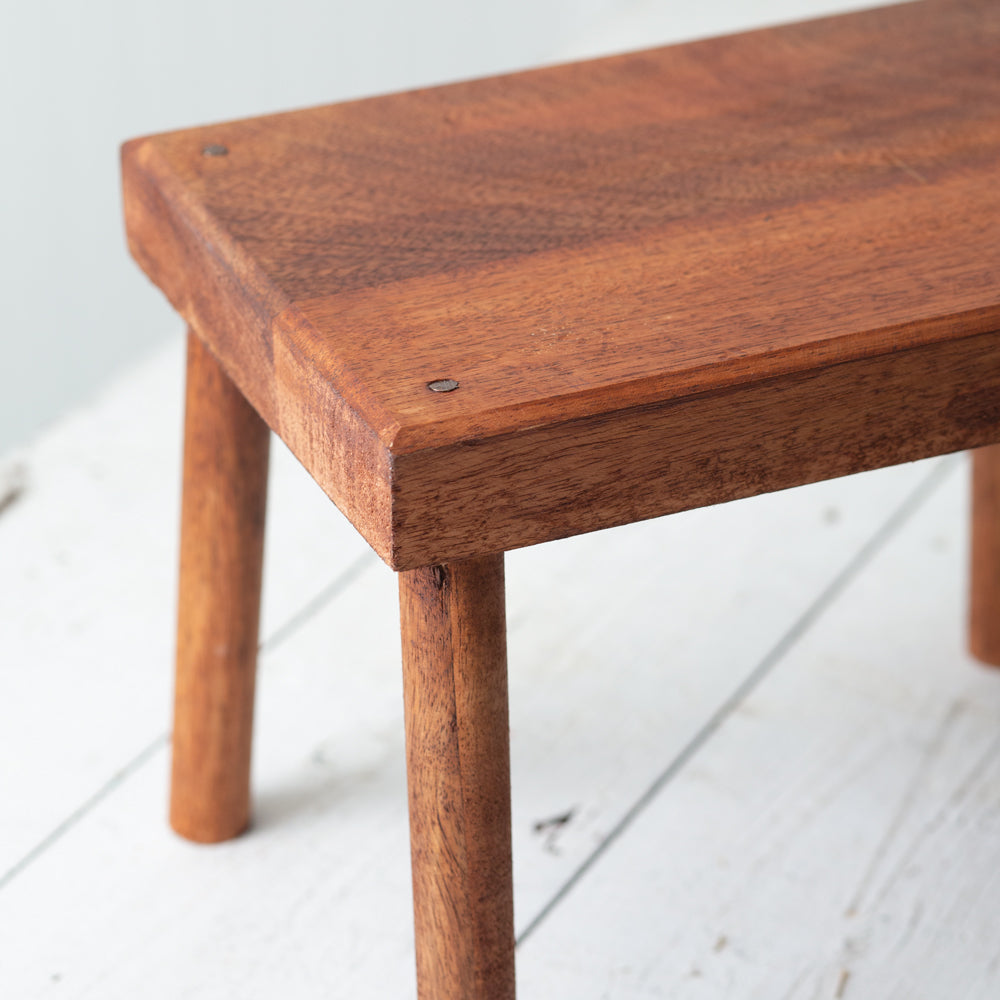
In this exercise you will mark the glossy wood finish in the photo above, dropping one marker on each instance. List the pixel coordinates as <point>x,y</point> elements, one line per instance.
<point>704,449</point>
<point>458,774</point>
<point>622,263</point>
<point>222,537</point>
<point>984,602</point>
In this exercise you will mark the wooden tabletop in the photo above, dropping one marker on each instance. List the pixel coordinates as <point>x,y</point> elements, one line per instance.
<point>595,253</point>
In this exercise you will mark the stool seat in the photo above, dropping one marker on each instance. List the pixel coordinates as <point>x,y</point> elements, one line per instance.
<point>629,266</point>
<point>511,310</point>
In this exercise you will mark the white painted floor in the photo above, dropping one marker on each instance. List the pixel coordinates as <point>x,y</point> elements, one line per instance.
<point>751,758</point>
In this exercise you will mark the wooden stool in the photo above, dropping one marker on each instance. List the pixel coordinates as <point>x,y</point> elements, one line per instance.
<point>508,311</point>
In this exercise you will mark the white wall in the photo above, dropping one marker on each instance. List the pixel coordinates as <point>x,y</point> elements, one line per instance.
<point>76,79</point>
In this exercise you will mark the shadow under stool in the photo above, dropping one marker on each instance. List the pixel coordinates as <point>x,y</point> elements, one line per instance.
<point>512,310</point>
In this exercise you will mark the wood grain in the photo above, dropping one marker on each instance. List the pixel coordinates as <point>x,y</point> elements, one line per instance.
<point>576,243</point>
<point>222,538</point>
<point>697,451</point>
<point>458,774</point>
<point>984,588</point>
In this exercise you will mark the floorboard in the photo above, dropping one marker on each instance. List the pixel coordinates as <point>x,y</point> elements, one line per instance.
<point>637,655</point>
<point>837,835</point>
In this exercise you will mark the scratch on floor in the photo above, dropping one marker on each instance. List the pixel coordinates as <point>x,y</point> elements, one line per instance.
<point>13,483</point>
<point>930,754</point>
<point>932,825</point>
<point>552,827</point>
<point>797,982</point>
<point>845,975</point>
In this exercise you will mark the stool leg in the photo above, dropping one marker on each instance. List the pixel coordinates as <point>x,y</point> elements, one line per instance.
<point>222,537</point>
<point>984,604</point>
<point>458,772</point>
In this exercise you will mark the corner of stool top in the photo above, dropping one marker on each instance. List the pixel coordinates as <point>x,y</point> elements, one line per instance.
<point>509,310</point>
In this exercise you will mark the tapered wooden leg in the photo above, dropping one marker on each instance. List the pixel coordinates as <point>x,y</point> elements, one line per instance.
<point>222,535</point>
<point>984,603</point>
<point>458,772</point>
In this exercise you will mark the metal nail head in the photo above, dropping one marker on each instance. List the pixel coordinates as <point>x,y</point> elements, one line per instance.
<point>442,385</point>
<point>214,149</point>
